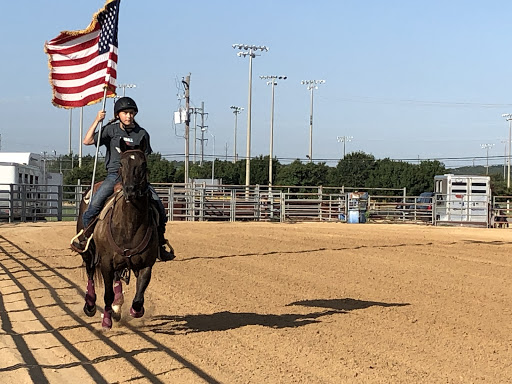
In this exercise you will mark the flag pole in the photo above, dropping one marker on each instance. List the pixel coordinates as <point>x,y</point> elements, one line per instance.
<point>98,143</point>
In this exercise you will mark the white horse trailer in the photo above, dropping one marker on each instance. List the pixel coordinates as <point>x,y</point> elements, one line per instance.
<point>462,199</point>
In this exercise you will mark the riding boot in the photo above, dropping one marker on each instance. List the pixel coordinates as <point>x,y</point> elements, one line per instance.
<point>80,243</point>
<point>166,250</point>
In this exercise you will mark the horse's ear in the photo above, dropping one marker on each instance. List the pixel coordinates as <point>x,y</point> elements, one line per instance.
<point>143,145</point>
<point>122,145</point>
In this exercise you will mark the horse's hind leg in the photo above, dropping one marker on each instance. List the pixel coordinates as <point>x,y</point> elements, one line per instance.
<point>90,294</point>
<point>118,297</point>
<point>143,279</point>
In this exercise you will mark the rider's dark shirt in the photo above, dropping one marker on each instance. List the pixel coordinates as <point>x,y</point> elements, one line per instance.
<point>111,134</point>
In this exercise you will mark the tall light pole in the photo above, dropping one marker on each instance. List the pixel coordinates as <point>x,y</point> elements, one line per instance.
<point>272,80</point>
<point>311,86</point>
<point>508,116</point>
<point>505,158</point>
<point>248,50</point>
<point>236,112</point>
<point>487,147</point>
<point>344,140</point>
<point>124,86</point>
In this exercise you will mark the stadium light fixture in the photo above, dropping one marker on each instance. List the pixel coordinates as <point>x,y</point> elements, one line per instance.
<point>311,86</point>
<point>249,50</point>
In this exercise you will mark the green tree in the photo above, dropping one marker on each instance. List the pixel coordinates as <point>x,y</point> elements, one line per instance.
<point>160,169</point>
<point>353,171</point>
<point>84,173</point>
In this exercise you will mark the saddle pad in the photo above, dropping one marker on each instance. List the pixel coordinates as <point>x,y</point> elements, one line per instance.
<point>110,203</point>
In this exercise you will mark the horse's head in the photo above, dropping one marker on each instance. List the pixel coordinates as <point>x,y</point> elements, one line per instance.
<point>133,170</point>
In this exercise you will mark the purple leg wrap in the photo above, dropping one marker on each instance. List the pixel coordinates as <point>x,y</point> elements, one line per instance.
<point>118,294</point>
<point>90,295</point>
<point>106,323</point>
<point>135,314</point>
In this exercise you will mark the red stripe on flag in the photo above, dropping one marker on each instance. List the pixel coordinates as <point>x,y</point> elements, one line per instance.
<point>82,88</point>
<point>71,62</point>
<point>65,37</point>
<point>79,75</point>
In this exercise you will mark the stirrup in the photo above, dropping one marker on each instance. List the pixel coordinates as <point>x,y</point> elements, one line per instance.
<point>169,255</point>
<point>75,238</point>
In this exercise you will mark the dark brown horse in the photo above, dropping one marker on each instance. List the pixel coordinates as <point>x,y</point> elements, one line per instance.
<point>125,239</point>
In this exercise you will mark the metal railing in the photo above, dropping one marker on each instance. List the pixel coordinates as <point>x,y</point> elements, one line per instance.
<point>201,202</point>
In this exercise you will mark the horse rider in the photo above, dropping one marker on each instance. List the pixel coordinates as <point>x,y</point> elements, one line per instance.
<point>122,127</point>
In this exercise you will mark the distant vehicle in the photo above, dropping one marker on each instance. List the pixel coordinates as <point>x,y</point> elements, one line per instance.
<point>421,203</point>
<point>462,199</point>
<point>424,201</point>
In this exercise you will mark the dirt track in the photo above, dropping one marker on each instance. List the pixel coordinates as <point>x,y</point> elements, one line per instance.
<point>268,303</point>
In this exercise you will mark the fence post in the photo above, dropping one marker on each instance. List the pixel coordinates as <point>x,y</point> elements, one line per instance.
<point>320,203</point>
<point>59,202</point>
<point>232,205</point>
<point>11,203</point>
<point>283,206</point>
<point>23,213</point>
<point>202,205</point>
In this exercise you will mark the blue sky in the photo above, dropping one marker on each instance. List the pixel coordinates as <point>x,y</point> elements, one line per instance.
<point>406,79</point>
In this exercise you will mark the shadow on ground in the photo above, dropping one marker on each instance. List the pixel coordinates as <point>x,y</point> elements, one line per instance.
<point>222,321</point>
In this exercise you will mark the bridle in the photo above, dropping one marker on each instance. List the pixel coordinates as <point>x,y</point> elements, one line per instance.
<point>142,186</point>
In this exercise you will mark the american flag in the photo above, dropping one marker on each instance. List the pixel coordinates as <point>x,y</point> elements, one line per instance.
<point>82,63</point>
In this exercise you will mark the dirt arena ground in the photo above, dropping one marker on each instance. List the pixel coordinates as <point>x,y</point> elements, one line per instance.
<point>268,303</point>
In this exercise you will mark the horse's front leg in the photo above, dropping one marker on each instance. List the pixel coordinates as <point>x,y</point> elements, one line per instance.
<point>107,270</point>
<point>118,297</point>
<point>143,279</point>
<point>90,294</point>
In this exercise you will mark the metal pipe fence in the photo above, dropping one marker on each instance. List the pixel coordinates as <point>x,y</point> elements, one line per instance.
<point>202,202</point>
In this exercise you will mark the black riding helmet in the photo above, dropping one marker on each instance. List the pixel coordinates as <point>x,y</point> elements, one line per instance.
<point>123,104</point>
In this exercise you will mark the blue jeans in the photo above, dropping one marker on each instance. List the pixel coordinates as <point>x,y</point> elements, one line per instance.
<point>99,197</point>
<point>106,189</point>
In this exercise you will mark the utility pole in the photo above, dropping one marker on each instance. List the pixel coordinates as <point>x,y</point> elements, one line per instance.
<point>195,111</point>
<point>186,84</point>
<point>203,129</point>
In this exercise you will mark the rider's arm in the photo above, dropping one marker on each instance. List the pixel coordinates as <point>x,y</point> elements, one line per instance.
<point>89,136</point>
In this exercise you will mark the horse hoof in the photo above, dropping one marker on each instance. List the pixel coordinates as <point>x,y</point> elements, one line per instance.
<point>135,314</point>
<point>116,316</point>
<point>90,311</point>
